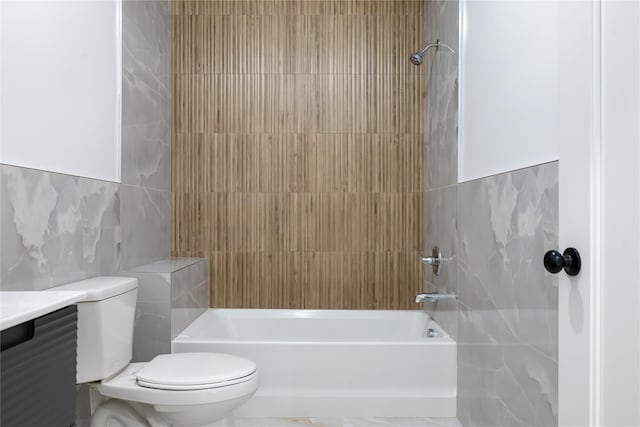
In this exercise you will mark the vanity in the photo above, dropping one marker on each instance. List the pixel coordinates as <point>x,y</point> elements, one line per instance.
<point>38,336</point>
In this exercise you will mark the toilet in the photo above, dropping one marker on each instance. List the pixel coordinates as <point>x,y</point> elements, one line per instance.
<point>183,389</point>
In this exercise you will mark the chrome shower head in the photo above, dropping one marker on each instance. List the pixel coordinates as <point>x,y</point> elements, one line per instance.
<point>416,58</point>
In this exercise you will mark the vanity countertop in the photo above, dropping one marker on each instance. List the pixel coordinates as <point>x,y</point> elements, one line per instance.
<point>18,307</point>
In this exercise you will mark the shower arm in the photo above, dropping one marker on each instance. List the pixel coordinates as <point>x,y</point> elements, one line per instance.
<point>437,45</point>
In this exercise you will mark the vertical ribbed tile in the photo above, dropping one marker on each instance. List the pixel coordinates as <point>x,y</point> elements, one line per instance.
<point>298,151</point>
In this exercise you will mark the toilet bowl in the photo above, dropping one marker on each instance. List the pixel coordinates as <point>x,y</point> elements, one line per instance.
<point>181,390</point>
<point>187,389</point>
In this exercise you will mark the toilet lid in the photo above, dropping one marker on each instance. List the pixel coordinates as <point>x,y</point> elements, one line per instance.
<point>194,371</point>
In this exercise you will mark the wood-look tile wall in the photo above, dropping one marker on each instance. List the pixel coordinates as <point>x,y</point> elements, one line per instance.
<point>297,150</point>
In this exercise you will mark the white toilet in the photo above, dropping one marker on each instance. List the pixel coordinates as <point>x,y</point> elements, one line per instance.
<point>184,389</point>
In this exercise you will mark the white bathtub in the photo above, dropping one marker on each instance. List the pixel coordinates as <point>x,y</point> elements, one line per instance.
<point>315,363</point>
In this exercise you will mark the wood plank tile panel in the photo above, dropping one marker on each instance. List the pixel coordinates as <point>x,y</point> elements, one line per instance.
<point>297,150</point>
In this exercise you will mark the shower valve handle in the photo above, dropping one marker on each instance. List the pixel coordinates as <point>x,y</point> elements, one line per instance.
<point>435,260</point>
<point>431,260</point>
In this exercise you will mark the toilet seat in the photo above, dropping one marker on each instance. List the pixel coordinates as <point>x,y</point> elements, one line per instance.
<point>194,371</point>
<point>124,386</point>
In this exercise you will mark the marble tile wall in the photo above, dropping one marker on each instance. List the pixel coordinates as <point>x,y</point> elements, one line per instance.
<point>441,231</point>
<point>441,109</point>
<point>145,220</point>
<point>171,294</point>
<point>508,314</point>
<point>56,228</point>
<point>494,230</point>
<point>146,132</point>
<point>441,161</point>
<point>152,329</point>
<point>190,293</point>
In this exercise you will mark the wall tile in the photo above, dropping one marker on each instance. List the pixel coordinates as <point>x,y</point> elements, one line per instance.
<point>441,109</point>
<point>171,294</point>
<point>146,92</point>
<point>189,295</point>
<point>506,386</point>
<point>152,334</point>
<point>146,132</point>
<point>440,70</point>
<point>441,231</point>
<point>297,151</point>
<point>508,314</point>
<point>166,266</point>
<point>145,140</point>
<point>56,228</point>
<point>145,225</point>
<point>152,328</point>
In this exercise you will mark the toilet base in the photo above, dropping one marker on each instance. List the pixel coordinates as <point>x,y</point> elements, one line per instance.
<point>116,413</point>
<point>119,413</point>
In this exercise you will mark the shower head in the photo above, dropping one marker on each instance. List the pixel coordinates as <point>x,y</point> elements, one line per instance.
<point>416,58</point>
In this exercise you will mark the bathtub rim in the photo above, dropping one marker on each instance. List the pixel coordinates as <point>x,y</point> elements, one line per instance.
<point>442,336</point>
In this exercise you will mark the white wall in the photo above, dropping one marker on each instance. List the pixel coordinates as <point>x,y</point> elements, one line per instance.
<point>60,87</point>
<point>509,74</point>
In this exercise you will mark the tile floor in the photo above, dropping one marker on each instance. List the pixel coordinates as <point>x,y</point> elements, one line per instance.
<point>346,422</point>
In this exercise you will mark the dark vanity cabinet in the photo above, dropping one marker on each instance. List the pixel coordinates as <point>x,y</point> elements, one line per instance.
<point>38,371</point>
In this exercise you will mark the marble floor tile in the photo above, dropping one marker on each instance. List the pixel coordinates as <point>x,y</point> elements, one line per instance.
<point>346,422</point>
<point>401,422</point>
<point>288,422</point>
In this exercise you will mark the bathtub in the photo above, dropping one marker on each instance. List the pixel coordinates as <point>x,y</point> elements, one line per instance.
<point>315,363</point>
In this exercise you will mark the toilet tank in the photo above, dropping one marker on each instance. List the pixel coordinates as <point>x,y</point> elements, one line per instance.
<point>105,325</point>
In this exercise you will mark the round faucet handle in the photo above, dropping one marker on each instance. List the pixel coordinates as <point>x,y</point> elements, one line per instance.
<point>435,260</point>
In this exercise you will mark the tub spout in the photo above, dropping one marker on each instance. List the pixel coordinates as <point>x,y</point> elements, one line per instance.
<point>433,297</point>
